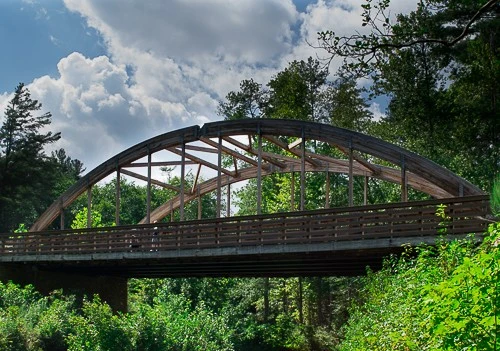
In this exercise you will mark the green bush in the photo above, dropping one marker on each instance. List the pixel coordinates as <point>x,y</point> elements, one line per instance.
<point>445,299</point>
<point>98,329</point>
<point>31,322</point>
<point>172,324</point>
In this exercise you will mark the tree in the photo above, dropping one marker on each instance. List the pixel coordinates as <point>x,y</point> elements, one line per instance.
<point>25,170</point>
<point>345,107</point>
<point>249,102</point>
<point>438,65</point>
<point>438,23</point>
<point>294,93</point>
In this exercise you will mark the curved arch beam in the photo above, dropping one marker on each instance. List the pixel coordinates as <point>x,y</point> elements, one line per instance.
<point>437,180</point>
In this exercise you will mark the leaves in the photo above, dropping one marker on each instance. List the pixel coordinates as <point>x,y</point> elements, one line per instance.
<point>445,300</point>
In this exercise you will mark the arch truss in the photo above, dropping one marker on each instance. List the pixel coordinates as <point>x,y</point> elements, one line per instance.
<point>287,149</point>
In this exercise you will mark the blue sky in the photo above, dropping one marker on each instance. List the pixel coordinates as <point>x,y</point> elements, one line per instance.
<point>36,36</point>
<point>115,72</point>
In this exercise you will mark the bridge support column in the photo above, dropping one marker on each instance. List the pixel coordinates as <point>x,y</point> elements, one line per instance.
<point>112,290</point>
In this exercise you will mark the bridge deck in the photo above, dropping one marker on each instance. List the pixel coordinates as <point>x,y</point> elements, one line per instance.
<point>321,242</point>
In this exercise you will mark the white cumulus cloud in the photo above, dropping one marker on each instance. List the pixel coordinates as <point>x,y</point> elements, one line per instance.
<point>168,64</point>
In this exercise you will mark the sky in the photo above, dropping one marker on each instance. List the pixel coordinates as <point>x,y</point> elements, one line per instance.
<point>116,72</point>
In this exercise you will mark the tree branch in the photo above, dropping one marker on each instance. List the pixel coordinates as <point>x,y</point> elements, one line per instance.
<point>359,46</point>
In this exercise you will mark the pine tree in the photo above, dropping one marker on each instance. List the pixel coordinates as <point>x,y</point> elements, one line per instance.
<point>25,170</point>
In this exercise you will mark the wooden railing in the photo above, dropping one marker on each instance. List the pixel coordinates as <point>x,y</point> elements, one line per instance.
<point>411,219</point>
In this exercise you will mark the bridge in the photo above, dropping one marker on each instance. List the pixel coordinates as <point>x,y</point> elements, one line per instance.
<point>296,242</point>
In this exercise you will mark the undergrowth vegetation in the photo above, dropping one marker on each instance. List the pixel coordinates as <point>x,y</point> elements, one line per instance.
<point>447,298</point>
<point>29,321</point>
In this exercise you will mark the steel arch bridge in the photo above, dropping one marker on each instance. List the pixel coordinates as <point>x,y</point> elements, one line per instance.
<point>242,141</point>
<point>329,241</point>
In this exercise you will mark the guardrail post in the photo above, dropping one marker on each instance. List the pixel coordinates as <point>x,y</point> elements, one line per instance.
<point>309,220</point>
<point>178,236</point>
<point>391,226</point>
<point>334,226</point>
<point>283,230</point>
<point>238,231</point>
<point>198,236</point>
<point>261,238</point>
<point>327,188</point>
<point>362,226</point>
<point>452,218</point>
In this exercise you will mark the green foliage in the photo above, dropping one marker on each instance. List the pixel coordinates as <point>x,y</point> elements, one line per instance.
<point>21,228</point>
<point>98,329</point>
<point>165,325</point>
<point>294,92</point>
<point>31,322</point>
<point>445,299</point>
<point>345,107</point>
<point>300,91</point>
<point>296,308</point>
<point>249,102</point>
<point>495,197</point>
<point>81,219</point>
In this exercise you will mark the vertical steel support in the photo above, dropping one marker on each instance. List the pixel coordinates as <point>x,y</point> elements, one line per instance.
<point>118,195</point>
<point>183,170</point>
<point>228,210</point>
<point>89,206</point>
<point>303,172</point>
<point>148,190</point>
<point>259,173</point>
<point>199,201</point>
<point>219,180</point>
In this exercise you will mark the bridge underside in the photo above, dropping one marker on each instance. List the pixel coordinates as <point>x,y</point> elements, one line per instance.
<point>350,258</point>
<point>341,263</point>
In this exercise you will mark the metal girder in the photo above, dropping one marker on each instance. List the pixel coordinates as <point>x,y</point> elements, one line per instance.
<point>419,172</point>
